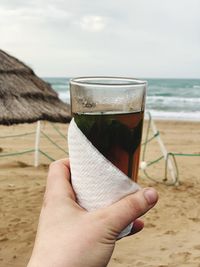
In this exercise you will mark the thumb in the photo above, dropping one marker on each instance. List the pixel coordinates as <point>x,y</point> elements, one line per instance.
<point>128,209</point>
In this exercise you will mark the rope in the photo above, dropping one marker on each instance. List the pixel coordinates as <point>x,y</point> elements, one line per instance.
<point>150,139</point>
<point>46,155</point>
<point>26,152</point>
<point>58,131</point>
<point>147,140</point>
<point>33,150</point>
<point>16,153</point>
<point>165,180</point>
<point>16,135</point>
<point>185,154</point>
<point>54,142</point>
<point>154,161</point>
<point>173,157</point>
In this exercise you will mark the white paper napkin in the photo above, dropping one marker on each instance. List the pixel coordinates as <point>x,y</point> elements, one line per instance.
<point>95,180</point>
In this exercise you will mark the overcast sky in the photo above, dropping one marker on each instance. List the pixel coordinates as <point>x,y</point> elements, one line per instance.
<point>143,38</point>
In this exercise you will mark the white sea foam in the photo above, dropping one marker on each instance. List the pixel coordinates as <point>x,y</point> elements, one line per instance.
<point>168,99</point>
<point>65,96</point>
<point>167,115</point>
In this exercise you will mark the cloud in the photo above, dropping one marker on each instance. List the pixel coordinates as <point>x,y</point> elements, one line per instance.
<point>128,37</point>
<point>93,23</point>
<point>31,15</point>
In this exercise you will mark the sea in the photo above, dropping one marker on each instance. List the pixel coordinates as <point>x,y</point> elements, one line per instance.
<point>171,99</point>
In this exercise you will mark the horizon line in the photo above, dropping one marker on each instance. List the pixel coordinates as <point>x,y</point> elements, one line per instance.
<point>167,78</point>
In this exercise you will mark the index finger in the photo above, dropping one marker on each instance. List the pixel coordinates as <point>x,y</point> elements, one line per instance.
<point>58,180</point>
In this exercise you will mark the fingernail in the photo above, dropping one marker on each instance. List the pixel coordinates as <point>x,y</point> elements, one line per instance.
<point>150,195</point>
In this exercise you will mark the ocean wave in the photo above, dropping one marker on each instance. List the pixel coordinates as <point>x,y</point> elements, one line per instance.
<point>57,84</point>
<point>173,99</point>
<point>171,92</point>
<point>65,96</point>
<point>166,99</point>
<point>60,87</point>
<point>176,104</point>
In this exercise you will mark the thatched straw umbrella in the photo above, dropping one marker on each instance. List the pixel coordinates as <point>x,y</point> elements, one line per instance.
<point>24,97</point>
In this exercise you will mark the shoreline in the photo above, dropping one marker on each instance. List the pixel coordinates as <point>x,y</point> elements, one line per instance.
<point>174,119</point>
<point>172,116</point>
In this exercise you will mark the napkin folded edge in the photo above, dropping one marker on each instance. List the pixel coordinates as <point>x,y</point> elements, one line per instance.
<point>133,185</point>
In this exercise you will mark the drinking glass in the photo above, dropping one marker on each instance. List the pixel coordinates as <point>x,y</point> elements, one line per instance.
<point>110,111</point>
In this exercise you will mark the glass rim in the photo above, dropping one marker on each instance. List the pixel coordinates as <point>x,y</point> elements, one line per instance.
<point>90,81</point>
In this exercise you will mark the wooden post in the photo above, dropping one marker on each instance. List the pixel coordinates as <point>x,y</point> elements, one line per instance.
<point>164,151</point>
<point>37,143</point>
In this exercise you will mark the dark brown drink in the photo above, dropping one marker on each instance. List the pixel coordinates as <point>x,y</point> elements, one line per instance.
<point>116,136</point>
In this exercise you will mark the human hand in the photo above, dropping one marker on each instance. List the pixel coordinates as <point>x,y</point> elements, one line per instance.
<point>69,236</point>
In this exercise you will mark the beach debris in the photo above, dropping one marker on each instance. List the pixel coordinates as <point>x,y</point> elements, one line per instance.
<point>22,164</point>
<point>143,165</point>
<point>3,238</point>
<point>11,185</point>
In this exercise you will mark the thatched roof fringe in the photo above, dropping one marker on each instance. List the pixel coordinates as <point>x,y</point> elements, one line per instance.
<point>19,110</point>
<point>9,62</point>
<point>17,72</point>
<point>35,96</point>
<point>24,97</point>
<point>24,83</point>
<point>45,117</point>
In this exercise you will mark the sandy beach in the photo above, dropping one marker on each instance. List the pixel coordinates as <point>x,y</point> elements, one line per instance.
<point>171,236</point>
